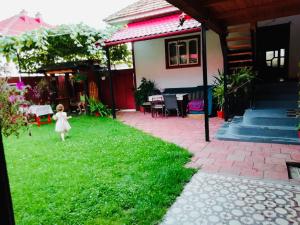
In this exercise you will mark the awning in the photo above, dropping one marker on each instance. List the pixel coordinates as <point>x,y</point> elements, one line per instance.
<point>153,28</point>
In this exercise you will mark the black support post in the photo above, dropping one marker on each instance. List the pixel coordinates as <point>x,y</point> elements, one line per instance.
<point>225,65</point>
<point>110,83</point>
<point>204,67</point>
<point>6,207</point>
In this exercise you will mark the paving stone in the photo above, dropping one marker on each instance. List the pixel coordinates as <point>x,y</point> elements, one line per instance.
<point>295,156</point>
<point>213,199</point>
<point>236,157</point>
<point>190,134</point>
<point>276,175</point>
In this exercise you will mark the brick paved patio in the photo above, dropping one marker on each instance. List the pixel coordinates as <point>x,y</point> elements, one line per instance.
<point>238,158</point>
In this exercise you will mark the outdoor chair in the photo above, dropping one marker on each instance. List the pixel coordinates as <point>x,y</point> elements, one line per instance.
<point>157,106</point>
<point>147,106</point>
<point>170,104</point>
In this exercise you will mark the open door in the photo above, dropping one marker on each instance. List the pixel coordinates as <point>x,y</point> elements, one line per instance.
<point>273,52</point>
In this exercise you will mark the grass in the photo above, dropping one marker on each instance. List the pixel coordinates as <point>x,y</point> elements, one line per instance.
<point>104,173</point>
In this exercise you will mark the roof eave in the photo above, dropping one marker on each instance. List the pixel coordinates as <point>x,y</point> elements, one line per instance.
<point>151,37</point>
<point>140,16</point>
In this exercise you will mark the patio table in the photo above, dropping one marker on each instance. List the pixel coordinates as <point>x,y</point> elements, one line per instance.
<point>41,110</point>
<point>182,100</point>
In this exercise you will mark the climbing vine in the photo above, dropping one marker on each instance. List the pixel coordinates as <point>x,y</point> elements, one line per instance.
<point>64,43</point>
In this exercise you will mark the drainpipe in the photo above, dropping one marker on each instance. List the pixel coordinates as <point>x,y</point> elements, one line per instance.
<point>204,68</point>
<point>6,207</point>
<point>110,83</point>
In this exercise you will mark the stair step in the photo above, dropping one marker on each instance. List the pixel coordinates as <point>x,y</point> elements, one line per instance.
<point>242,38</point>
<point>238,67</point>
<point>240,54</point>
<point>268,117</point>
<point>242,46</point>
<point>239,29</point>
<point>266,131</point>
<point>287,104</point>
<point>240,61</point>
<point>278,96</point>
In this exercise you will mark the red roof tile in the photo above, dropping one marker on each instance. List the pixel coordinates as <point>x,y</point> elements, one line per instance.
<point>20,23</point>
<point>141,8</point>
<point>154,28</point>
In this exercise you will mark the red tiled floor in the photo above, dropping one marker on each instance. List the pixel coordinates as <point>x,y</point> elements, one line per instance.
<point>240,158</point>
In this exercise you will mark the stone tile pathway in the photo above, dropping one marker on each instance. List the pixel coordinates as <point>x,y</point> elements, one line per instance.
<point>258,160</point>
<point>214,199</point>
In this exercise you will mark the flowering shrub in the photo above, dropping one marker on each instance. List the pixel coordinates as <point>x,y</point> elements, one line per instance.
<point>12,119</point>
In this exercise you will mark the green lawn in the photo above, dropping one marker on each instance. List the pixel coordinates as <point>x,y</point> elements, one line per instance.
<point>104,173</point>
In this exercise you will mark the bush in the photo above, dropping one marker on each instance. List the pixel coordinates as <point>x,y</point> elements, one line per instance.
<point>145,89</point>
<point>12,120</point>
<point>98,107</point>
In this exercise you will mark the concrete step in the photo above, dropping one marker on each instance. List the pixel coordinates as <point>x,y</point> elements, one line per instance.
<point>274,104</point>
<point>268,118</point>
<point>223,134</point>
<point>266,131</point>
<point>272,96</point>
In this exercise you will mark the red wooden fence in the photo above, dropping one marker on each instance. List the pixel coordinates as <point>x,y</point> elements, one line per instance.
<point>123,85</point>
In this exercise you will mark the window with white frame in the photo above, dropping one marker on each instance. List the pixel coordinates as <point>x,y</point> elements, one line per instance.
<point>182,52</point>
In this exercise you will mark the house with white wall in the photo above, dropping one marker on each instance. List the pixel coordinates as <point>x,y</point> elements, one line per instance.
<point>166,44</point>
<point>233,35</point>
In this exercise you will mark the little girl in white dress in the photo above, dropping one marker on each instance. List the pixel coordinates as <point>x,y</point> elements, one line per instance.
<point>62,125</point>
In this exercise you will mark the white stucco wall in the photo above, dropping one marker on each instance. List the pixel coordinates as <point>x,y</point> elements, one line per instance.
<point>150,63</point>
<point>294,55</point>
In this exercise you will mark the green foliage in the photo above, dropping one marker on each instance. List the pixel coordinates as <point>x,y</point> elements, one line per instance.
<point>63,43</point>
<point>240,78</point>
<point>235,82</point>
<point>105,173</point>
<point>98,107</point>
<point>11,119</point>
<point>119,54</point>
<point>78,77</point>
<point>145,89</point>
<point>218,90</point>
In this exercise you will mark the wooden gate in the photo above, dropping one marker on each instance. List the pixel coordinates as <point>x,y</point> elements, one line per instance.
<point>123,86</point>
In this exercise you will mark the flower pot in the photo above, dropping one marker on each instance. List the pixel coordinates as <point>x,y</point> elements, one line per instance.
<point>220,114</point>
<point>97,114</point>
<point>142,109</point>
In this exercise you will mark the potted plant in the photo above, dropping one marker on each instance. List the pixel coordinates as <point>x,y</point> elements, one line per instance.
<point>98,108</point>
<point>145,89</point>
<point>218,93</point>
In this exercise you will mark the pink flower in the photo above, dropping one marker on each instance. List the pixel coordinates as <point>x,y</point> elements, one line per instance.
<point>20,86</point>
<point>12,98</point>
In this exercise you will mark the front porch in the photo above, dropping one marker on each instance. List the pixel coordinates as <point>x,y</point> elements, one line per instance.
<point>260,160</point>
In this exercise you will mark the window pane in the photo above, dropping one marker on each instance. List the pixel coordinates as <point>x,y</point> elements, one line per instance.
<point>182,52</point>
<point>173,59</point>
<point>193,52</point>
<point>276,53</point>
<point>282,52</point>
<point>269,55</point>
<point>269,63</point>
<point>281,62</point>
<point>275,62</point>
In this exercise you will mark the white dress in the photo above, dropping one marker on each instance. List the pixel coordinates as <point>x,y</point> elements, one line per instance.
<point>62,124</point>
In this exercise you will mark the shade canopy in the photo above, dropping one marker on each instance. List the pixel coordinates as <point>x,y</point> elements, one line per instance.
<point>154,28</point>
<point>218,14</point>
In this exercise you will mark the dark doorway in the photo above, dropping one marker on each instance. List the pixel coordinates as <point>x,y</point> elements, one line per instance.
<point>273,52</point>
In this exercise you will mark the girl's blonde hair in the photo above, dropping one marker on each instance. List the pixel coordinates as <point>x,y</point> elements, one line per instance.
<point>60,108</point>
